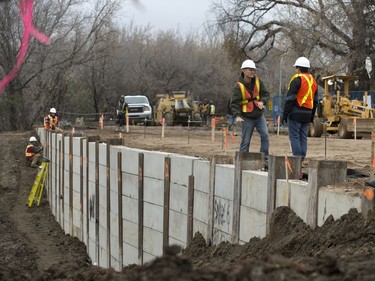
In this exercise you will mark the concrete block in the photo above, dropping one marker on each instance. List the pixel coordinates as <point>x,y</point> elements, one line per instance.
<point>223,214</point>
<point>336,202</point>
<point>113,182</point>
<point>254,190</point>
<point>220,236</point>
<point>173,241</point>
<point>153,216</point>
<point>130,185</point>
<point>103,216</point>
<point>179,198</point>
<point>102,175</point>
<point>102,196</point>
<point>103,238</point>
<point>200,211</point>
<point>115,249</point>
<point>202,175</point>
<point>130,209</point>
<point>91,250</point>
<point>103,154</point>
<point>152,241</point>
<point>76,164</point>
<point>299,196</point>
<point>130,254</point>
<point>178,226</point>
<point>252,224</point>
<point>130,233</point>
<point>92,173</point>
<point>114,203</point>
<point>181,168</point>
<point>77,146</point>
<point>114,218</point>
<point>130,160</point>
<point>200,227</point>
<point>224,181</point>
<point>92,150</point>
<point>103,258</point>
<point>115,264</point>
<point>76,182</point>
<point>148,257</point>
<point>153,191</point>
<point>154,164</point>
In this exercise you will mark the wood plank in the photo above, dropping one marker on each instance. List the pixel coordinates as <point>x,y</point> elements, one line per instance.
<point>166,206</point>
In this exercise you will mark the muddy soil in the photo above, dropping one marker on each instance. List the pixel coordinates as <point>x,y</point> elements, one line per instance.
<point>33,246</point>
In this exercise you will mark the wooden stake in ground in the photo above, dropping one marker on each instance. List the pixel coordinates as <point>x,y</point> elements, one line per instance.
<point>213,125</point>
<point>162,127</point>
<point>372,176</point>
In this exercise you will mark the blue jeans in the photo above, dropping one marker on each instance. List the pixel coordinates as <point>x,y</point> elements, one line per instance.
<point>298,137</point>
<point>248,126</point>
<point>232,120</point>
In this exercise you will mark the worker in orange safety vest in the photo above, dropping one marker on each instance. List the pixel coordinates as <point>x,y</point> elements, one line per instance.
<point>33,153</point>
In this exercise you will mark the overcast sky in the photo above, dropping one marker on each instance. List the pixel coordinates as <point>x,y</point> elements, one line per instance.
<point>184,15</point>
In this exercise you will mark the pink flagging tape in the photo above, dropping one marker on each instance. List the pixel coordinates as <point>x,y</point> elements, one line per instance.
<point>26,15</point>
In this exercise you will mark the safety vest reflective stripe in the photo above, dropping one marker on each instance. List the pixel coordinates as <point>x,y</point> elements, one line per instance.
<point>245,95</point>
<point>28,153</point>
<point>305,96</point>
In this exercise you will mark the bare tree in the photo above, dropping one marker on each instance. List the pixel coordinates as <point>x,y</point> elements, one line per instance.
<point>43,81</point>
<point>326,30</point>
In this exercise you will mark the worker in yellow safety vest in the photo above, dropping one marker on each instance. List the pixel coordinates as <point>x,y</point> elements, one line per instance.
<point>248,102</point>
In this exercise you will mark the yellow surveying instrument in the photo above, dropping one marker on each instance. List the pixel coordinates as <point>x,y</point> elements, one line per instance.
<point>37,189</point>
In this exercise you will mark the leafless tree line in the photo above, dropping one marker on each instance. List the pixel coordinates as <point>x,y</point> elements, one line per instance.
<point>337,35</point>
<point>92,61</point>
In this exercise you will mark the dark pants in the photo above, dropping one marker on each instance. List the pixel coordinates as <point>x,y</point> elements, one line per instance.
<point>120,119</point>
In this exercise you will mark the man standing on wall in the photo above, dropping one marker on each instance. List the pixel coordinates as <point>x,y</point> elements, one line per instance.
<point>249,97</point>
<point>300,106</point>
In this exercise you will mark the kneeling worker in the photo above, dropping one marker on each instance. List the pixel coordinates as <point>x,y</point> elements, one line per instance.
<point>33,153</point>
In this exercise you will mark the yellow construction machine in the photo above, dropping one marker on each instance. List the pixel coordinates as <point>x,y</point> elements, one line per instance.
<point>178,107</point>
<point>337,113</point>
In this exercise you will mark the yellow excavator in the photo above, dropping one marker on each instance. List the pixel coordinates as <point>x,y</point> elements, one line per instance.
<point>337,113</point>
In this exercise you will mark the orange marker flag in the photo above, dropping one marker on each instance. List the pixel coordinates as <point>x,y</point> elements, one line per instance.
<point>369,193</point>
<point>287,163</point>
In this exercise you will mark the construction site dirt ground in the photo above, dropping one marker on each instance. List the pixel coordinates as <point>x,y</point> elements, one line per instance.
<point>34,247</point>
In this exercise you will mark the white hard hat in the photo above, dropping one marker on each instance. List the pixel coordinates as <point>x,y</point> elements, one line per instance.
<point>248,64</point>
<point>32,139</point>
<point>302,62</point>
<point>52,110</point>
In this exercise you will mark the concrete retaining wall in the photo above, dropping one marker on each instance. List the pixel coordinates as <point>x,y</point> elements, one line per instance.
<point>128,204</point>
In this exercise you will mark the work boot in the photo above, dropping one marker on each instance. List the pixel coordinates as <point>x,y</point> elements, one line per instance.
<point>34,166</point>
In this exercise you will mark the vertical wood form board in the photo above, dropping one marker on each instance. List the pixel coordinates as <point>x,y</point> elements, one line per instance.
<point>87,192</point>
<point>140,206</point>
<point>211,197</point>
<point>71,184</point>
<point>120,222</point>
<point>108,191</point>
<point>276,170</point>
<point>56,177</point>
<point>62,201</point>
<point>60,181</point>
<point>81,186</point>
<point>237,196</point>
<point>166,207</point>
<point>49,178</point>
<point>97,244</point>
<point>190,220</point>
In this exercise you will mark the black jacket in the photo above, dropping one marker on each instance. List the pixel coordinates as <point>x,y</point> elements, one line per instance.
<point>236,99</point>
<point>291,108</point>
